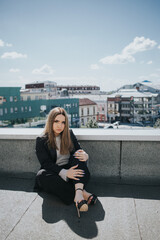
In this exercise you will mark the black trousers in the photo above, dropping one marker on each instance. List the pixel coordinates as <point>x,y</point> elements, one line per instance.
<point>51,182</point>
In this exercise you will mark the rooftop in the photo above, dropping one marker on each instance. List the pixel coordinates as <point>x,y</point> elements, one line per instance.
<point>86,101</point>
<point>126,211</point>
<point>121,212</point>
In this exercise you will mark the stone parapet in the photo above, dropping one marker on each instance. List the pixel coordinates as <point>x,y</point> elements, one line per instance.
<point>114,154</point>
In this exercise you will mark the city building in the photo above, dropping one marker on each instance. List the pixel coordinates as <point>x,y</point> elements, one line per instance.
<point>12,107</point>
<point>147,86</point>
<point>100,100</point>
<point>39,90</point>
<point>131,105</point>
<point>87,111</point>
<point>50,90</point>
<point>84,89</point>
<point>144,86</point>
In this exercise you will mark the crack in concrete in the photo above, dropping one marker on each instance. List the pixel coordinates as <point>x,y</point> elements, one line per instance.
<point>137,219</point>
<point>21,217</point>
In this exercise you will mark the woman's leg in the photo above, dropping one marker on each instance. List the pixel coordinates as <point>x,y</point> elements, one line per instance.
<point>78,192</point>
<point>81,183</point>
<point>81,165</point>
<point>54,184</point>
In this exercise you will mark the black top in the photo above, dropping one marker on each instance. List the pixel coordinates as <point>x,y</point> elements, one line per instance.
<point>48,156</point>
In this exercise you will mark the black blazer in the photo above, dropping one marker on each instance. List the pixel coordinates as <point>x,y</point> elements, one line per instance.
<point>47,157</point>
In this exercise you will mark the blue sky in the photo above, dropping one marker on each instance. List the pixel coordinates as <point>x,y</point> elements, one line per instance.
<point>107,43</point>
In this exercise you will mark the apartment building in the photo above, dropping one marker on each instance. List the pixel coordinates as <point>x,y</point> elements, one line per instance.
<point>12,107</point>
<point>83,89</point>
<point>87,111</point>
<point>39,90</point>
<point>130,105</point>
<point>100,100</point>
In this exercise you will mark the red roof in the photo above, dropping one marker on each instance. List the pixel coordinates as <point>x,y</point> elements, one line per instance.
<point>86,101</point>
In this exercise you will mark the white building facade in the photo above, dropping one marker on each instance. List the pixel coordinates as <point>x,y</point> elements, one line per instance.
<point>87,111</point>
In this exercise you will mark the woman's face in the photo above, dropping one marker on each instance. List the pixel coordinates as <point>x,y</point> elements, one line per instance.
<point>59,124</point>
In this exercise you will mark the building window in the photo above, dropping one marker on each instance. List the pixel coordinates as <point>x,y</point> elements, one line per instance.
<point>82,113</point>
<point>87,111</point>
<point>1,111</point>
<point>15,98</point>
<point>5,111</point>
<point>4,99</point>
<point>11,110</point>
<point>22,109</point>
<point>15,109</point>
<point>11,99</point>
<point>30,109</point>
<point>28,98</point>
<point>82,121</point>
<point>94,110</point>
<point>25,109</point>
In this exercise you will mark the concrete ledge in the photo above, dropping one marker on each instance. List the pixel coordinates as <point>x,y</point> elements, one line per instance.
<point>116,155</point>
<point>86,134</point>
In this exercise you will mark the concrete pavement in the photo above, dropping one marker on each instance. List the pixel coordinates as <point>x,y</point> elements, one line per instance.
<point>128,212</point>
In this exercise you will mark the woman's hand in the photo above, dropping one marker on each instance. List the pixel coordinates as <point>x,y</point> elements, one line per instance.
<point>81,155</point>
<point>75,173</point>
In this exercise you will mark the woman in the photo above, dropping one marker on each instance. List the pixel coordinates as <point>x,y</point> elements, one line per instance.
<point>63,163</point>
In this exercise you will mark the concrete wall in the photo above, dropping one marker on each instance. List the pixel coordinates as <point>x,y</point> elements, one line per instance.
<point>116,160</point>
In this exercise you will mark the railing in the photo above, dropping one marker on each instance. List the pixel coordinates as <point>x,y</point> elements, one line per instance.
<point>114,154</point>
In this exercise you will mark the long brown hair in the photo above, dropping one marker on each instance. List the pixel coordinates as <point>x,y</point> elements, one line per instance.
<point>66,143</point>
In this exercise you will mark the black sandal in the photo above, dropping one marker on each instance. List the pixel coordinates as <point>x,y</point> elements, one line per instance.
<point>93,200</point>
<point>81,206</point>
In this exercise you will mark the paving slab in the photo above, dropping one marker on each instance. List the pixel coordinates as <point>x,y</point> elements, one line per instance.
<point>148,216</point>
<point>123,212</point>
<point>13,204</point>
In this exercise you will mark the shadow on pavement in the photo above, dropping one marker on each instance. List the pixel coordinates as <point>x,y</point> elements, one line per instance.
<point>100,188</point>
<point>53,210</point>
<point>16,184</point>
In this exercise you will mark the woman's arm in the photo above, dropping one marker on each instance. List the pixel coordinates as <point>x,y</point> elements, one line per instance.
<point>44,156</point>
<point>79,152</point>
<point>75,141</point>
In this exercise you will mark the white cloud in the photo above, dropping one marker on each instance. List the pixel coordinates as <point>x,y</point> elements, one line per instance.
<point>45,69</point>
<point>159,46</point>
<point>13,55</point>
<point>117,59</point>
<point>94,67</point>
<point>14,70</point>
<point>139,44</point>
<point>3,44</point>
<point>149,62</point>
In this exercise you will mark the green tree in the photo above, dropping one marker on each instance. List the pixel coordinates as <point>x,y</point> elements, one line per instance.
<point>157,123</point>
<point>92,124</point>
